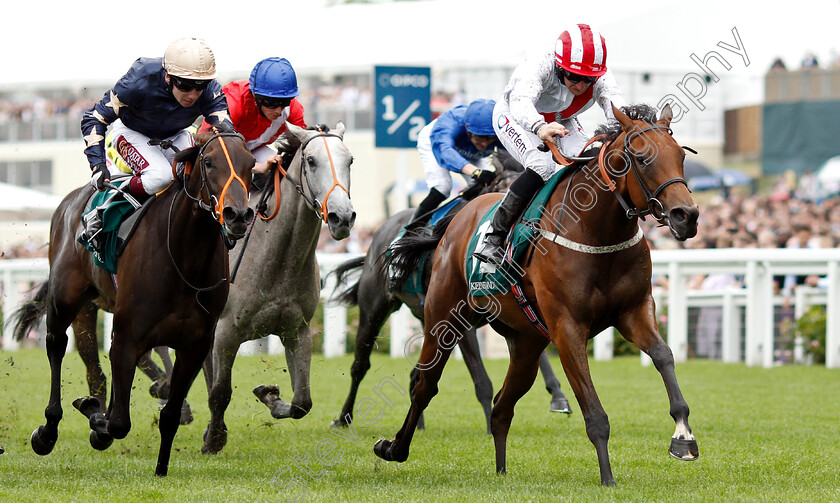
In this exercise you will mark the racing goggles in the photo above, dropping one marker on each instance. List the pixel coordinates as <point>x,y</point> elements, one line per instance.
<point>575,78</point>
<point>187,85</point>
<point>269,102</point>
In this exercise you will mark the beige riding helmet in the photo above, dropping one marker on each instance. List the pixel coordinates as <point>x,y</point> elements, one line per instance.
<point>190,58</point>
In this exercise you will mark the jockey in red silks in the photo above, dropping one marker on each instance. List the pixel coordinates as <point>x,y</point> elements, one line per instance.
<point>260,107</point>
<point>542,100</point>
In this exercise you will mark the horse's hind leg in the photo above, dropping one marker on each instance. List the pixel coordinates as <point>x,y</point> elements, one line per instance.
<point>483,386</point>
<point>443,329</point>
<point>186,368</point>
<point>559,402</point>
<point>639,327</point>
<point>373,311</point>
<point>522,370</point>
<point>59,316</point>
<point>84,328</point>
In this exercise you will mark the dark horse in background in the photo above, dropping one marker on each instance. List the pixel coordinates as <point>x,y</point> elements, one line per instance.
<point>377,302</point>
<point>173,284</point>
<point>591,270</point>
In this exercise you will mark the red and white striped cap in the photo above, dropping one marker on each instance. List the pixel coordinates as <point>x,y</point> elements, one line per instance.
<point>581,50</point>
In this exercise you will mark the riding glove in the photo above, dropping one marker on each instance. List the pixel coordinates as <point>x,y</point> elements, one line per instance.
<point>483,177</point>
<point>100,176</point>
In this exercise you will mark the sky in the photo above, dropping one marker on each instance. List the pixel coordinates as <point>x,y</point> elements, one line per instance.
<point>51,41</point>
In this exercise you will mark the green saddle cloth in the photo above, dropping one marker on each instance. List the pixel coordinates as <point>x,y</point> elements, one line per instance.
<point>116,212</point>
<point>499,280</point>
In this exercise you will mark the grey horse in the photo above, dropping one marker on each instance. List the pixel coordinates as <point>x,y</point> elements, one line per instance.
<point>277,287</point>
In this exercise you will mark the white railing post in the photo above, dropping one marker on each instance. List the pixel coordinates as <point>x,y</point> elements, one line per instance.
<point>602,345</point>
<point>335,322</point>
<point>399,331</point>
<point>832,324</point>
<point>107,331</point>
<point>11,301</point>
<point>677,312</point>
<point>730,324</point>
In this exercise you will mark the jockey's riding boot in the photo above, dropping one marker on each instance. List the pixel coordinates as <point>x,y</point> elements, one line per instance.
<point>520,193</point>
<point>424,212</point>
<point>93,226</point>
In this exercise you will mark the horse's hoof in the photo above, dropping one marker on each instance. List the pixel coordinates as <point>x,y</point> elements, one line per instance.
<point>338,422</point>
<point>186,414</point>
<point>385,450</point>
<point>87,405</point>
<point>159,389</point>
<point>267,393</point>
<point>100,441</point>
<point>560,405</point>
<point>2,450</point>
<point>42,446</point>
<point>215,441</point>
<point>684,450</point>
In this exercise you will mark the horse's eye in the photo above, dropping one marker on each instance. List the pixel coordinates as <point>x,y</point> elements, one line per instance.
<point>207,163</point>
<point>641,161</point>
<point>310,160</point>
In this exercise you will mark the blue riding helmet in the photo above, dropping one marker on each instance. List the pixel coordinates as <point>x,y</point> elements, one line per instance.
<point>479,117</point>
<point>274,78</point>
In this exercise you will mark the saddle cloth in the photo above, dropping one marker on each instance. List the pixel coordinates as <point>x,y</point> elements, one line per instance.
<point>414,285</point>
<point>118,223</point>
<point>486,279</point>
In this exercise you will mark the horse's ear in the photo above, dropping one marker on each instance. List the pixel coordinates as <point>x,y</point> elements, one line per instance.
<point>188,154</point>
<point>297,131</point>
<point>339,129</point>
<point>621,117</point>
<point>666,115</point>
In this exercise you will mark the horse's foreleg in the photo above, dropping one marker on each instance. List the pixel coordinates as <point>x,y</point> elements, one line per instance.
<point>186,368</point>
<point>522,370</point>
<point>219,393</point>
<point>639,327</point>
<point>571,343</point>
<point>438,344</point>
<point>372,316</point>
<point>483,386</point>
<point>84,328</point>
<point>124,359</point>
<point>298,358</point>
<point>559,403</point>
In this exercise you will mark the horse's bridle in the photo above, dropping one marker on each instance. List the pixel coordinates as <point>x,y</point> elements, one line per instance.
<point>319,208</point>
<point>216,204</point>
<point>655,207</point>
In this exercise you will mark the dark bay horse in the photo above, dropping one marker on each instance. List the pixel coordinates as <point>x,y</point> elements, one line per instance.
<point>172,282</point>
<point>277,288</point>
<point>591,270</point>
<point>377,302</point>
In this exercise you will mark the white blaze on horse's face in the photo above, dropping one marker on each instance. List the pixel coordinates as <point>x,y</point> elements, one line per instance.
<point>325,174</point>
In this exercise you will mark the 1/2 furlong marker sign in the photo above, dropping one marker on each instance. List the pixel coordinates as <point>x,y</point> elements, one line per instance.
<point>402,104</point>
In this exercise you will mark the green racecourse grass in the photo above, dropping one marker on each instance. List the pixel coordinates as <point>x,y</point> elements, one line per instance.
<point>764,435</point>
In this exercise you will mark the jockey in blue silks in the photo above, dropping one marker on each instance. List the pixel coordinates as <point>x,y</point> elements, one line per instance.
<point>459,141</point>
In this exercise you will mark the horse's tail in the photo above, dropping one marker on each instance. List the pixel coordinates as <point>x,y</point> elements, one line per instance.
<point>29,315</point>
<point>405,255</point>
<point>349,297</point>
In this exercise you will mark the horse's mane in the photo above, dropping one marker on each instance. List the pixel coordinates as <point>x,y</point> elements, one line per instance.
<point>639,111</point>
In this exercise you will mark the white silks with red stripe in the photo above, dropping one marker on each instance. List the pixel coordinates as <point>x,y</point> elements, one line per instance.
<point>581,50</point>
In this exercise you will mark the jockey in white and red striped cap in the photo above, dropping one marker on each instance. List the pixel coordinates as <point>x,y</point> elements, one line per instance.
<point>541,102</point>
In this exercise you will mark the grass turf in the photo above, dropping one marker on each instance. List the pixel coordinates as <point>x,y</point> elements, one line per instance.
<point>764,435</point>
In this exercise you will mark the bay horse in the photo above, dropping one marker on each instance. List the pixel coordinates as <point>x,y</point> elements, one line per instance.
<point>277,288</point>
<point>173,284</point>
<point>595,275</point>
<point>377,302</point>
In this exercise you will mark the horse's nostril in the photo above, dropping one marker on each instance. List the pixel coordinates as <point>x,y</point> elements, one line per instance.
<point>332,219</point>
